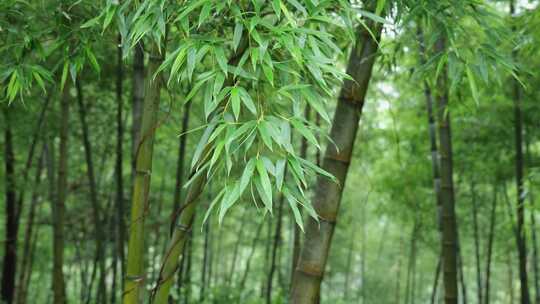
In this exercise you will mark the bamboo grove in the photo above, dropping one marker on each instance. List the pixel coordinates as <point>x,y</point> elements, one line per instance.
<point>269,151</point>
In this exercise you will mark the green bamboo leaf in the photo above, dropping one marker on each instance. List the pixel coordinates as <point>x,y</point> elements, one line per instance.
<point>238,29</point>
<point>221,59</point>
<point>246,99</point>
<point>205,12</point>
<point>265,183</point>
<point>248,173</point>
<point>218,83</point>
<point>202,144</point>
<point>263,131</point>
<point>276,7</point>
<point>64,75</point>
<point>318,170</point>
<point>92,59</point>
<point>305,132</point>
<point>293,203</point>
<point>212,205</point>
<point>235,101</point>
<point>280,173</point>
<point>191,59</point>
<point>268,73</point>
<point>297,170</point>
<point>202,79</point>
<point>231,196</point>
<point>239,132</point>
<point>298,6</point>
<point>262,194</point>
<point>373,16</point>
<point>472,84</point>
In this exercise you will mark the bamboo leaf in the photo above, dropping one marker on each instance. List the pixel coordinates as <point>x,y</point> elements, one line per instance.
<point>248,173</point>
<point>238,29</point>
<point>235,101</point>
<point>265,183</point>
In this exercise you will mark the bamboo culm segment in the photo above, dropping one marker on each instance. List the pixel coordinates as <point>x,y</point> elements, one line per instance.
<point>449,229</point>
<point>314,254</point>
<point>134,281</point>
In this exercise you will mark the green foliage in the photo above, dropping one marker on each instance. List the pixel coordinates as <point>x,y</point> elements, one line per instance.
<point>253,65</point>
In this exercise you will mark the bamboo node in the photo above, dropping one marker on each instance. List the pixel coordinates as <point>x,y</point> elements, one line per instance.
<point>344,159</point>
<point>135,278</point>
<point>144,172</point>
<point>328,218</point>
<point>311,271</point>
<point>184,228</point>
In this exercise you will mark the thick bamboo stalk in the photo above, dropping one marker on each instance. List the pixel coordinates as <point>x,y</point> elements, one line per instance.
<point>25,271</point>
<point>134,280</point>
<point>120,232</point>
<point>178,240</point>
<point>10,244</point>
<point>479,284</point>
<point>314,254</point>
<point>448,216</point>
<point>296,228</point>
<point>58,208</point>
<point>137,101</point>
<point>250,256</point>
<point>96,208</point>
<point>491,236</point>
<point>275,245</point>
<point>519,167</point>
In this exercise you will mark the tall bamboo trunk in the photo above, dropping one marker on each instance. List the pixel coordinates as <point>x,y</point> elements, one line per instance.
<point>449,229</point>
<point>318,237</point>
<point>96,208</point>
<point>436,282</point>
<point>479,284</point>
<point>239,234</point>
<point>119,170</point>
<point>266,260</point>
<point>462,276</point>
<point>534,261</point>
<point>10,243</point>
<point>296,228</point>
<point>179,181</point>
<point>12,234</point>
<point>491,236</point>
<point>204,266</point>
<point>520,207</point>
<point>58,208</point>
<point>435,165</point>
<point>275,245</point>
<point>400,255</point>
<point>182,142</point>
<point>250,256</point>
<point>534,239</point>
<point>134,280</point>
<point>137,102</point>
<point>25,271</point>
<point>409,285</point>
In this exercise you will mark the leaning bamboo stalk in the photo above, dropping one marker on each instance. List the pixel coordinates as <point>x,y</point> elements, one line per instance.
<point>183,221</point>
<point>314,254</point>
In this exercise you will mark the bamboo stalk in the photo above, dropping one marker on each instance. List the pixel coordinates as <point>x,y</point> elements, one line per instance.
<point>314,254</point>
<point>134,280</point>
